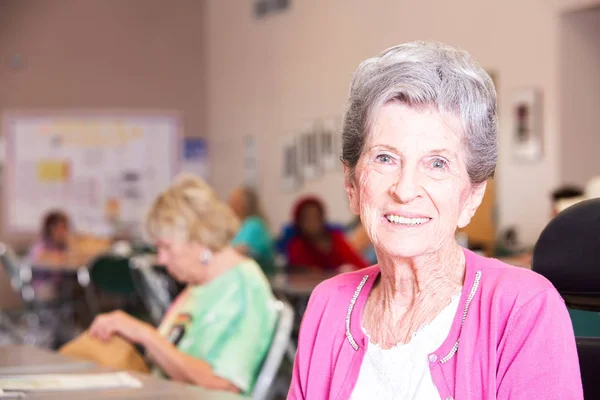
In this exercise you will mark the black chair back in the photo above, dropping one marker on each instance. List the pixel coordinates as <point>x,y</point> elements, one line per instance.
<point>568,254</point>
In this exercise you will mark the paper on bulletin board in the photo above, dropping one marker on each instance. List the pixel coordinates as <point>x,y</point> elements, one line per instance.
<point>195,157</point>
<point>102,170</point>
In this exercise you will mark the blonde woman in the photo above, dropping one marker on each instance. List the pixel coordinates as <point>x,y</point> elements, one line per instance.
<point>219,329</point>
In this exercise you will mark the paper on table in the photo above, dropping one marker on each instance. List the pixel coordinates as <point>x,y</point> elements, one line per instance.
<point>56,382</point>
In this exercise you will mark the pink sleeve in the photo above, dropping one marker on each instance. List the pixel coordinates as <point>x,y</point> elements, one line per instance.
<point>306,342</point>
<point>538,356</point>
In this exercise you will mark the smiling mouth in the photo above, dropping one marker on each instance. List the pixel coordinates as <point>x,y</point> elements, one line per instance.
<point>399,220</point>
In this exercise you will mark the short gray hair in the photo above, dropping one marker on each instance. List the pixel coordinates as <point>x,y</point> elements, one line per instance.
<point>426,74</point>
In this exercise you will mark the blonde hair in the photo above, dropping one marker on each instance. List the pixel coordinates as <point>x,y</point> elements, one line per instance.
<point>189,210</point>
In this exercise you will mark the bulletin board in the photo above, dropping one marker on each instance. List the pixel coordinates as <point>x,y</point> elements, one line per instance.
<point>103,170</point>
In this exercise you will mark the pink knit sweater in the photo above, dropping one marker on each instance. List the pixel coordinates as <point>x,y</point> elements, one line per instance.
<point>511,338</point>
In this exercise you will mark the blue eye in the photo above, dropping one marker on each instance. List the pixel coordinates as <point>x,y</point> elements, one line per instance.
<point>438,164</point>
<point>384,158</point>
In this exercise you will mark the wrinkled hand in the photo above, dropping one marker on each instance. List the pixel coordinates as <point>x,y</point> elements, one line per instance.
<point>107,325</point>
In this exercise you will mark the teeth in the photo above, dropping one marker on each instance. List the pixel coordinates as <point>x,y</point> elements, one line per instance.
<point>397,219</point>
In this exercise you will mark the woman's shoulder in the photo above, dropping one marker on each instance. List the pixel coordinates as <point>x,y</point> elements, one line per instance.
<point>343,286</point>
<point>255,222</point>
<point>508,280</point>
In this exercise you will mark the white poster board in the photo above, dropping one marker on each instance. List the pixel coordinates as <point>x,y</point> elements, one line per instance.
<point>102,170</point>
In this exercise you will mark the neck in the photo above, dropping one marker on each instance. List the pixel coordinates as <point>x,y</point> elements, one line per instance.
<point>430,276</point>
<point>221,262</point>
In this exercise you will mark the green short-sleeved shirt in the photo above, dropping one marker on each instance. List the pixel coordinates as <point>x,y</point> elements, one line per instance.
<point>255,235</point>
<point>229,323</point>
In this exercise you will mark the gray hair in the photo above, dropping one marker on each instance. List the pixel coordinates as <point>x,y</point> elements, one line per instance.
<point>426,74</point>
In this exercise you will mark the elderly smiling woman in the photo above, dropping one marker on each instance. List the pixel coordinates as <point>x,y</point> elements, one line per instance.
<point>431,320</point>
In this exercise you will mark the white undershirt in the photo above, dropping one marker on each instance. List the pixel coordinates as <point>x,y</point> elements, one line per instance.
<point>402,372</point>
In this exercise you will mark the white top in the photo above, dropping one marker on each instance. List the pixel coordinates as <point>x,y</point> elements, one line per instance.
<point>402,372</point>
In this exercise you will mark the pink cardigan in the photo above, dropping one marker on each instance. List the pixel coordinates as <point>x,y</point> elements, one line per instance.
<point>511,339</point>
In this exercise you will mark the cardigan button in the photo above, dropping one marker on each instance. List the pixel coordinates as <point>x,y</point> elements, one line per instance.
<point>433,358</point>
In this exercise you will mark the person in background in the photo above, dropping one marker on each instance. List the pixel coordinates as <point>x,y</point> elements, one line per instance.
<point>432,320</point>
<point>315,246</point>
<point>219,329</point>
<point>253,239</point>
<point>53,243</point>
<point>565,196</point>
<point>50,250</point>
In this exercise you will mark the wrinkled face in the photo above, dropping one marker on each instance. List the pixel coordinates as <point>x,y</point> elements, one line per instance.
<point>311,221</point>
<point>411,186</point>
<point>182,259</point>
<point>237,202</point>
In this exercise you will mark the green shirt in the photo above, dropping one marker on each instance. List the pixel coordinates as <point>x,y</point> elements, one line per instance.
<point>228,322</point>
<point>255,235</point>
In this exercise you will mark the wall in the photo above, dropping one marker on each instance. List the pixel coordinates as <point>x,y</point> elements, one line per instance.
<point>131,55</point>
<point>268,77</point>
<point>86,54</point>
<point>580,95</point>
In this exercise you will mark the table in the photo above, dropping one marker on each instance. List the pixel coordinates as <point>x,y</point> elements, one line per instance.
<point>26,359</point>
<point>300,284</point>
<point>20,359</point>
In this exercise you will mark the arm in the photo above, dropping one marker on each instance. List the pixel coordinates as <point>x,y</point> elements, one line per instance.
<point>307,339</point>
<point>176,364</point>
<point>537,356</point>
<point>180,366</point>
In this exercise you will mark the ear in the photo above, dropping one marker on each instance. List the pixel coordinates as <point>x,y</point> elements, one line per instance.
<point>351,189</point>
<point>473,201</point>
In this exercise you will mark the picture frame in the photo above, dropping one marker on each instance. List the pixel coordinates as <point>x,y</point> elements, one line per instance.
<point>526,125</point>
<point>290,164</point>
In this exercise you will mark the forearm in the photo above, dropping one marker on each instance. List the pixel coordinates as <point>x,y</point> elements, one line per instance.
<point>180,366</point>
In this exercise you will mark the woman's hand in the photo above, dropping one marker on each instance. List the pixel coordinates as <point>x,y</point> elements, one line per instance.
<point>122,324</point>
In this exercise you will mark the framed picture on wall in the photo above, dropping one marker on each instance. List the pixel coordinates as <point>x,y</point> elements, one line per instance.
<point>290,165</point>
<point>526,124</point>
<point>329,148</point>
<point>309,144</point>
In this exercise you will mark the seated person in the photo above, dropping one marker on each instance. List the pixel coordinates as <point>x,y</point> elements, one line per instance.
<point>289,231</point>
<point>315,246</point>
<point>564,197</point>
<point>53,244</point>
<point>253,239</point>
<point>219,329</point>
<point>50,250</point>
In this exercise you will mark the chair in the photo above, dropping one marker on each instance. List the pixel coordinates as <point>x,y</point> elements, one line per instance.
<point>568,254</point>
<point>264,387</point>
<point>19,273</point>
<point>151,286</point>
<point>107,274</point>
<point>41,322</point>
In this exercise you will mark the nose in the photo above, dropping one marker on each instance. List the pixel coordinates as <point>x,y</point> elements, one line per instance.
<point>406,188</point>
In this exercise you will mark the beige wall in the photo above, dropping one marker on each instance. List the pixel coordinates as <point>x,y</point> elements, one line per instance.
<point>109,54</point>
<point>267,77</point>
<point>576,5</point>
<point>580,96</point>
<point>89,54</point>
